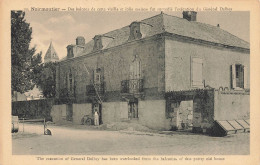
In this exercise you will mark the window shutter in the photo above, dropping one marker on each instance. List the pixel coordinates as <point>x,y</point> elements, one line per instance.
<point>139,69</point>
<point>93,76</point>
<point>197,76</point>
<point>131,71</point>
<point>233,75</point>
<point>68,81</point>
<point>73,85</point>
<point>102,75</point>
<point>245,78</point>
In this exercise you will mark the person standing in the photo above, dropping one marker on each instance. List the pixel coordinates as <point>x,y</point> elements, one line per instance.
<point>96,118</point>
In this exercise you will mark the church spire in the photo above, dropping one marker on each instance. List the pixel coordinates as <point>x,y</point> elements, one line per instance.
<point>51,55</point>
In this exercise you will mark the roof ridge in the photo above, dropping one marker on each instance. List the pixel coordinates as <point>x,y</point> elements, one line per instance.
<point>173,16</point>
<point>152,17</point>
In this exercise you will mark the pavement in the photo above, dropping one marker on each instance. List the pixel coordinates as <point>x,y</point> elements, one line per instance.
<point>82,140</point>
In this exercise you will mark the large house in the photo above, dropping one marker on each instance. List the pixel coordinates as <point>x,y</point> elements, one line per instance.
<point>161,72</point>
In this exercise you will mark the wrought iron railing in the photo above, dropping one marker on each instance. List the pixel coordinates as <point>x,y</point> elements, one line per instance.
<point>92,89</point>
<point>132,86</point>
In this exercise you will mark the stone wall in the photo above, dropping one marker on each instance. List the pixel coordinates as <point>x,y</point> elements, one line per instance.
<point>232,105</point>
<point>203,110</point>
<point>79,110</point>
<point>152,114</point>
<point>58,113</point>
<point>114,112</point>
<point>216,64</point>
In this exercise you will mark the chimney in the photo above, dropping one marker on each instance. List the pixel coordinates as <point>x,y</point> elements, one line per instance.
<point>80,41</point>
<point>189,15</point>
<point>74,50</point>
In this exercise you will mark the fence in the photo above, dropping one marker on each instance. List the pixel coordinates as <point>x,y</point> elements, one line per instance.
<point>33,109</point>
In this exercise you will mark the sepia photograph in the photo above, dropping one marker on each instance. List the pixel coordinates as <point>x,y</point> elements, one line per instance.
<point>161,82</point>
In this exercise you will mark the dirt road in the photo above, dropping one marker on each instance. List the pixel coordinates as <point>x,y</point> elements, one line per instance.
<point>74,141</point>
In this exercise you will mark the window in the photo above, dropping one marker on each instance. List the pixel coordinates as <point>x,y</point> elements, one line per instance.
<point>70,81</point>
<point>197,72</point>
<point>135,68</point>
<point>239,78</point>
<point>135,75</point>
<point>135,32</point>
<point>97,43</point>
<point>98,76</point>
<point>133,110</point>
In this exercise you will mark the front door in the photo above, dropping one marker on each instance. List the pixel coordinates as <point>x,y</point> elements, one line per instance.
<point>69,112</point>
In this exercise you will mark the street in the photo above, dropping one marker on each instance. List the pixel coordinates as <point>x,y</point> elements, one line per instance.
<point>82,141</point>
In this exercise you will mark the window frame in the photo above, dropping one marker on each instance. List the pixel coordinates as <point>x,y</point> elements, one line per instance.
<point>238,73</point>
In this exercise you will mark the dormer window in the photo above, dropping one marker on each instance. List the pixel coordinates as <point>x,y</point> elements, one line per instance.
<point>135,32</point>
<point>70,52</point>
<point>97,43</point>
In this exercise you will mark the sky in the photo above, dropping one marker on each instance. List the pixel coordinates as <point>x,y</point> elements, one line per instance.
<point>62,28</point>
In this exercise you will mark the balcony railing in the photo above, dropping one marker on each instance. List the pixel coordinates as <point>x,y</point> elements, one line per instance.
<point>100,88</point>
<point>132,86</point>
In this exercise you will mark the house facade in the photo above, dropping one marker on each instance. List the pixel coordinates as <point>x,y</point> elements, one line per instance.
<point>161,72</point>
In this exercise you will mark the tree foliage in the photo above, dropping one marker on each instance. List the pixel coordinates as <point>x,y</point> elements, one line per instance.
<point>45,78</point>
<point>24,60</point>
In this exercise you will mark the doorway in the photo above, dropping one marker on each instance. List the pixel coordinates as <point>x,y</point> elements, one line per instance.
<point>133,110</point>
<point>69,112</point>
<point>97,107</point>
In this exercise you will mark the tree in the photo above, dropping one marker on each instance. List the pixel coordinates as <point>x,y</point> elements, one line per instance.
<point>24,62</point>
<point>45,78</point>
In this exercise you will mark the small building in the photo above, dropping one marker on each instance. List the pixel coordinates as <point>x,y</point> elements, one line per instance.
<point>162,72</point>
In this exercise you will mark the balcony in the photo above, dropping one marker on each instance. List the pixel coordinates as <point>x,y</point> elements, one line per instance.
<point>132,86</point>
<point>100,88</point>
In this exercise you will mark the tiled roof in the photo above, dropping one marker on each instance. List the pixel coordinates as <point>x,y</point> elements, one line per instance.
<point>202,31</point>
<point>175,25</point>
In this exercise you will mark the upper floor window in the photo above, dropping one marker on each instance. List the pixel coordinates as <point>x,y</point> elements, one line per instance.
<point>239,76</point>
<point>98,76</point>
<point>197,72</point>
<point>70,81</point>
<point>135,68</point>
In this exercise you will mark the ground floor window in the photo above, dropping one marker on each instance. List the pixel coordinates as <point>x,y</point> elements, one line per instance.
<point>133,110</point>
